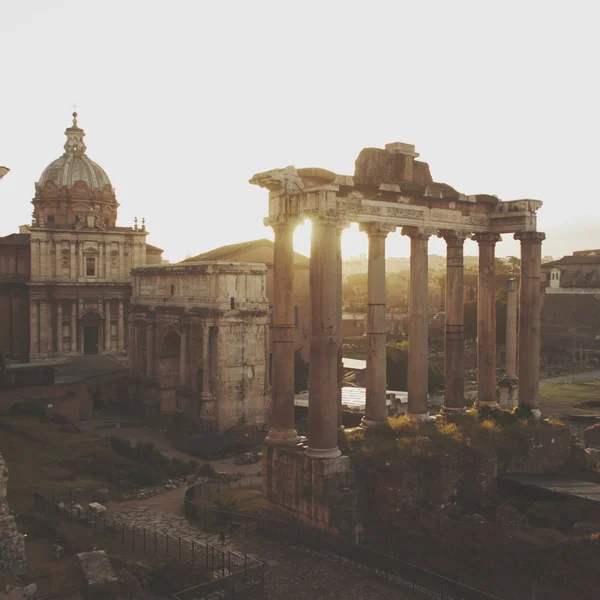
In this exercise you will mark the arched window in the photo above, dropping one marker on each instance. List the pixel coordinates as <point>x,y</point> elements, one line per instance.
<point>170,345</point>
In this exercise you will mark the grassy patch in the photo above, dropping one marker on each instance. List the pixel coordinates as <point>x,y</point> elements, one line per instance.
<point>570,398</point>
<point>40,457</point>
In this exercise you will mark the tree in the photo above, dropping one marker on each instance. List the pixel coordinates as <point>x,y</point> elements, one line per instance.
<point>397,368</point>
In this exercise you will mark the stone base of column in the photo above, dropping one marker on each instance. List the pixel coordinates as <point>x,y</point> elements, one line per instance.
<point>374,425</point>
<point>450,413</point>
<point>320,493</point>
<point>419,417</point>
<point>493,404</point>
<point>282,436</point>
<point>509,393</point>
<point>323,454</point>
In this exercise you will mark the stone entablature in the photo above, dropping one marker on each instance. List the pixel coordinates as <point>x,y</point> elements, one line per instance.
<point>199,336</point>
<point>306,193</point>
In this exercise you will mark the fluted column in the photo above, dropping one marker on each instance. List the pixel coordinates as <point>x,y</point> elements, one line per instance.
<point>45,328</point>
<point>206,361</point>
<point>121,327</point>
<point>322,387</point>
<point>376,411</point>
<point>150,349</point>
<point>34,323</point>
<point>508,384</point>
<point>59,327</point>
<point>486,319</point>
<point>107,327</point>
<point>73,260</point>
<point>132,346</point>
<point>282,430</point>
<point>529,318</point>
<point>73,325</point>
<point>454,360</point>
<point>418,325</point>
<point>338,285</point>
<point>183,355</point>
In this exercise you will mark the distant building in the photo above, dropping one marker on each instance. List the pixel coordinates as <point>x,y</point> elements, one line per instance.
<point>571,306</point>
<point>64,279</point>
<point>200,334</point>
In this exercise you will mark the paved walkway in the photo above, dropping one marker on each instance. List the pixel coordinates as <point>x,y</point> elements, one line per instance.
<point>559,484</point>
<point>289,573</point>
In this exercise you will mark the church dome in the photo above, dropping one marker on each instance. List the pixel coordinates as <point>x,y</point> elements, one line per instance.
<point>73,186</point>
<point>74,165</point>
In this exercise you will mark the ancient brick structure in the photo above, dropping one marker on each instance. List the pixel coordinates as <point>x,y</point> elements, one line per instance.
<point>12,543</point>
<point>389,190</point>
<point>199,336</point>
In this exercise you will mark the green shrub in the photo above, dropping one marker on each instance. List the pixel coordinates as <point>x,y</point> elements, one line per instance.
<point>206,470</point>
<point>26,409</point>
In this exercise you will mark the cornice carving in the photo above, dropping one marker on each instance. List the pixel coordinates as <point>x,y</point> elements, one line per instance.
<point>486,238</point>
<point>533,237</point>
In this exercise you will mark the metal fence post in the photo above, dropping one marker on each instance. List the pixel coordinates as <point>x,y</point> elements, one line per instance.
<point>192,552</point>
<point>167,536</point>
<point>144,539</point>
<point>155,546</point>
<point>133,536</point>
<point>123,533</point>
<point>180,548</point>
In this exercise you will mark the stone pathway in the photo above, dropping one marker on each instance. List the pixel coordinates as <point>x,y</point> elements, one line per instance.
<point>170,524</point>
<point>289,573</point>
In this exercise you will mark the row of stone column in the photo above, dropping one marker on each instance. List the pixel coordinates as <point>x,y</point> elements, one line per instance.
<point>325,285</point>
<point>43,342</point>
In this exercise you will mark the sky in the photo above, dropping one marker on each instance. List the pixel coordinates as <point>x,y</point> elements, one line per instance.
<point>183,101</point>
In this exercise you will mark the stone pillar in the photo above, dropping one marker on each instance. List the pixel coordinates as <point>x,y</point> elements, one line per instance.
<point>205,361</point>
<point>73,260</point>
<point>45,328</point>
<point>322,386</point>
<point>34,323</point>
<point>150,349</point>
<point>340,361</point>
<point>132,348</point>
<point>183,356</point>
<point>107,327</point>
<point>376,410</point>
<point>282,430</point>
<point>529,318</point>
<point>59,326</point>
<point>508,385</point>
<point>73,325</point>
<point>486,320</point>
<point>35,259</point>
<point>454,360</point>
<point>121,327</point>
<point>418,325</point>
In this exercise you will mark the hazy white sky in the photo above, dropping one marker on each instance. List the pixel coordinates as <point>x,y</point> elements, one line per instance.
<point>183,101</point>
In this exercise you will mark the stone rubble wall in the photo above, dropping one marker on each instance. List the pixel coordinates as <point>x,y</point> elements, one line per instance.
<point>12,543</point>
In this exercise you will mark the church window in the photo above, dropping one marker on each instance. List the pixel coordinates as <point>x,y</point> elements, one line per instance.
<point>90,267</point>
<point>172,290</point>
<point>50,218</point>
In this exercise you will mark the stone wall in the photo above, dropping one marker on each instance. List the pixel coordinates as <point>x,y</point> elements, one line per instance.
<point>319,492</point>
<point>12,543</point>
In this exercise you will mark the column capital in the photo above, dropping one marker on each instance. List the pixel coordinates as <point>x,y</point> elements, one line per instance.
<point>416,233</point>
<point>453,237</point>
<point>377,228</point>
<point>533,237</point>
<point>334,220</point>
<point>283,222</point>
<point>512,285</point>
<point>486,238</point>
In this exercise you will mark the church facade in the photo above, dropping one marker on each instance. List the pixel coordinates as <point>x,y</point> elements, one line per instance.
<point>65,282</point>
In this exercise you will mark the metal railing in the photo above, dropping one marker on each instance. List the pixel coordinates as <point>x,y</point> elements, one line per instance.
<point>225,566</point>
<point>411,577</point>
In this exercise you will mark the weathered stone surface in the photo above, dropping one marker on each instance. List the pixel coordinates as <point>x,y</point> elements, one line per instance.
<point>591,436</point>
<point>97,508</point>
<point>98,572</point>
<point>12,543</point>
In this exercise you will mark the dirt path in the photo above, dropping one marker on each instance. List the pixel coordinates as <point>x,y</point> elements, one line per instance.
<point>572,378</point>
